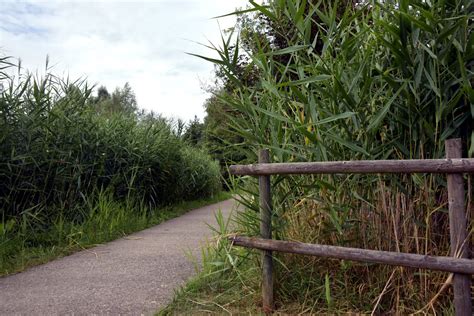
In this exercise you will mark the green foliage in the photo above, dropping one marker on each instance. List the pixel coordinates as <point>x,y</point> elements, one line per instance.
<point>397,109</point>
<point>352,80</point>
<point>199,176</point>
<point>105,219</point>
<point>121,101</point>
<point>56,151</point>
<point>78,169</point>
<point>221,143</point>
<point>195,133</point>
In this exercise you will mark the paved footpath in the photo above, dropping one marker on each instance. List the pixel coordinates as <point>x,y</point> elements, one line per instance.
<point>133,275</point>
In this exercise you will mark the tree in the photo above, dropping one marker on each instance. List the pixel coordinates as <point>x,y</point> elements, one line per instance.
<point>221,142</point>
<point>121,101</point>
<point>127,99</point>
<point>194,133</point>
<point>102,94</point>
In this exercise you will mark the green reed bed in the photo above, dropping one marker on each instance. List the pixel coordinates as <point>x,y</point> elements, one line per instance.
<point>72,175</point>
<point>344,80</point>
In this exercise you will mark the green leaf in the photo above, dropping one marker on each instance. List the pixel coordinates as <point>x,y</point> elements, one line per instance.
<point>263,9</point>
<point>345,143</point>
<point>383,112</point>
<point>317,78</point>
<point>270,87</point>
<point>236,12</point>
<point>335,118</point>
<point>212,60</point>
<point>288,50</point>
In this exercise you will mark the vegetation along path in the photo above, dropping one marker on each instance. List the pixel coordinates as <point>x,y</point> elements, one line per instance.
<point>133,275</point>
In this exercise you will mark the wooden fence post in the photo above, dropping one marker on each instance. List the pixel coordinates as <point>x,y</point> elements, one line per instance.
<point>266,232</point>
<point>458,231</point>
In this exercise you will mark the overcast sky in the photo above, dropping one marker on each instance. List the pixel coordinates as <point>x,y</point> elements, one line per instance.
<point>113,42</point>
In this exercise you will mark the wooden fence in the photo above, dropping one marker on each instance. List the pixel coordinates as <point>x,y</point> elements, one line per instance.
<point>458,263</point>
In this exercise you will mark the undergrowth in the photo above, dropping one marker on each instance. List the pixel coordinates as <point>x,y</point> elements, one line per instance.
<point>105,219</point>
<point>229,278</point>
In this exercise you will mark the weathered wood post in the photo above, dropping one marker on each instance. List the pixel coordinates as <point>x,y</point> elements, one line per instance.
<point>458,231</point>
<point>266,232</point>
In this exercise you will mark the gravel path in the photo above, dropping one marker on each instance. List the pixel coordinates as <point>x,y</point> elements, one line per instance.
<point>130,276</point>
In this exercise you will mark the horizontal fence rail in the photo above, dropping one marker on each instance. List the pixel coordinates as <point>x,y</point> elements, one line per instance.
<point>448,264</point>
<point>460,165</point>
<point>453,166</point>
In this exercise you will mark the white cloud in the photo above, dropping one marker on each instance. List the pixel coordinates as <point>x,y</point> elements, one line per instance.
<point>113,42</point>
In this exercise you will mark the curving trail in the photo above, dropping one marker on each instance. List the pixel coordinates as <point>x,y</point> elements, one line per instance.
<point>133,275</point>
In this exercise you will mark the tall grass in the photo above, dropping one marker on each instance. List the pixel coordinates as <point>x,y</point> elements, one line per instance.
<point>345,81</point>
<point>59,154</point>
<point>105,218</point>
<point>56,149</point>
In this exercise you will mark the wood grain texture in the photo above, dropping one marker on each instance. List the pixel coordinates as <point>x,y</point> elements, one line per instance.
<point>266,232</point>
<point>448,264</point>
<point>458,231</point>
<point>458,165</point>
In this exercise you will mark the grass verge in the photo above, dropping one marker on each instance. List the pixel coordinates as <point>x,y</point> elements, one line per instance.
<point>227,281</point>
<point>105,219</point>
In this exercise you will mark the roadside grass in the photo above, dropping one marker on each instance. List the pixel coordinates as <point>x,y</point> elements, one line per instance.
<point>206,294</point>
<point>225,282</point>
<point>25,243</point>
<point>229,282</point>
<point>225,288</point>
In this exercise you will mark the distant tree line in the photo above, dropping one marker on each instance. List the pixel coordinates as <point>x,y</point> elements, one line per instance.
<point>122,100</point>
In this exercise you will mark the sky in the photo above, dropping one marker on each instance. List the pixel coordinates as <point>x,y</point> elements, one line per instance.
<point>114,42</point>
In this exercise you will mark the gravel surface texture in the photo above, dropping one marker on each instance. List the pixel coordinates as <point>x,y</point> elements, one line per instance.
<point>134,275</point>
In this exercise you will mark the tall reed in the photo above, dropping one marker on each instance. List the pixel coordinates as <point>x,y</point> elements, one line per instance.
<point>57,151</point>
<point>352,80</point>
